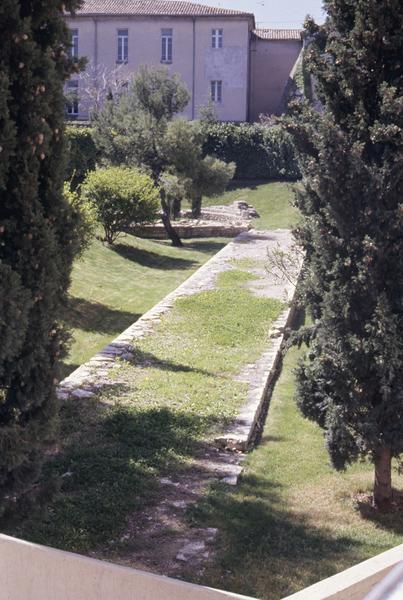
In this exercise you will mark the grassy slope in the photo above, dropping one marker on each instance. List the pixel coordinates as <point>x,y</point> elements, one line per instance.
<point>177,391</point>
<point>293,520</point>
<point>111,288</point>
<point>271,200</point>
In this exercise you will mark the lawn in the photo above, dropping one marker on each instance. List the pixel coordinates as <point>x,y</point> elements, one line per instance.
<point>162,405</point>
<point>273,202</point>
<point>293,520</point>
<point>112,287</point>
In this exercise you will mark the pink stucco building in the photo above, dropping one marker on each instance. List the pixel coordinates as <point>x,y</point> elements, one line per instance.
<point>218,53</point>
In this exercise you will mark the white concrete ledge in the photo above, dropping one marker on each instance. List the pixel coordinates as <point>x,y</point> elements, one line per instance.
<point>32,572</point>
<point>354,583</point>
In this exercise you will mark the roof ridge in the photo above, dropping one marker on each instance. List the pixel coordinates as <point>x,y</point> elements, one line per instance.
<point>154,8</point>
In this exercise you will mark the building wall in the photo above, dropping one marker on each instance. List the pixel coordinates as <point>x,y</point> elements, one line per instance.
<point>194,59</point>
<point>271,64</point>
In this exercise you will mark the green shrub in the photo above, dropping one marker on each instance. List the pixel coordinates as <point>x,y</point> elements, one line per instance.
<point>82,220</point>
<point>121,196</point>
<point>82,154</point>
<point>260,152</point>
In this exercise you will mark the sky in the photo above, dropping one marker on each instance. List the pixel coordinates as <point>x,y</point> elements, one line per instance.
<point>274,13</point>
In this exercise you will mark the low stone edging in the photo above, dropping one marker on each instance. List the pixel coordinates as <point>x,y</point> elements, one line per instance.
<point>92,376</point>
<point>241,436</point>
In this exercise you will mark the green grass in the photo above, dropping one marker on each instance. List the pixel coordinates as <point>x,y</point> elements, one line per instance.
<point>175,393</point>
<point>112,287</point>
<point>273,202</point>
<point>293,520</point>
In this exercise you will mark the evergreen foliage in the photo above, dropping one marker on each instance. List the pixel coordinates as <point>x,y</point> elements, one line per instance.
<point>260,152</point>
<point>130,129</point>
<point>82,220</point>
<point>36,242</point>
<point>120,197</point>
<point>82,154</point>
<point>202,175</point>
<point>351,159</point>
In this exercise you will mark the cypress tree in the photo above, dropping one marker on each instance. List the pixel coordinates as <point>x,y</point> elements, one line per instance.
<point>351,159</point>
<point>37,241</point>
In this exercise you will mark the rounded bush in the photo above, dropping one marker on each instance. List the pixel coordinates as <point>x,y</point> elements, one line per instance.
<point>121,197</point>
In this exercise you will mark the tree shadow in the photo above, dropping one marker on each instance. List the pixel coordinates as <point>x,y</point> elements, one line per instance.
<point>152,260</point>
<point>391,520</point>
<point>240,184</point>
<point>94,316</point>
<point>264,549</point>
<point>207,246</point>
<point>108,468</point>
<point>147,359</point>
<point>66,369</point>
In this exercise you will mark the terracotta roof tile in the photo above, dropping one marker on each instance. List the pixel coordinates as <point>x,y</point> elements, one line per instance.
<point>154,8</point>
<point>278,34</point>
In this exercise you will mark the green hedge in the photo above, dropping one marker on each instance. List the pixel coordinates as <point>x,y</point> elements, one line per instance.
<point>260,152</point>
<point>82,154</point>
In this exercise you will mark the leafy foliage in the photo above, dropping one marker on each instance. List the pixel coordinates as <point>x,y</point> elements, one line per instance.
<point>82,154</point>
<point>351,160</point>
<point>131,129</point>
<point>202,175</point>
<point>36,241</point>
<point>120,197</point>
<point>81,220</point>
<point>259,151</point>
<point>174,190</point>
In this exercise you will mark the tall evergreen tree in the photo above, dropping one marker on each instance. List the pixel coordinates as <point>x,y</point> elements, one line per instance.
<point>37,242</point>
<point>351,153</point>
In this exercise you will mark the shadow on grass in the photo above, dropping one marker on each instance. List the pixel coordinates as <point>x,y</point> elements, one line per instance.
<point>94,316</point>
<point>207,246</point>
<point>391,520</point>
<point>152,260</point>
<point>240,184</point>
<point>65,369</point>
<point>147,359</point>
<point>265,550</point>
<point>108,469</point>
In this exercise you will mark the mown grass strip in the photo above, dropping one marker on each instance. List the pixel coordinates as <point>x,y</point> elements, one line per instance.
<point>293,520</point>
<point>175,393</point>
<point>113,286</point>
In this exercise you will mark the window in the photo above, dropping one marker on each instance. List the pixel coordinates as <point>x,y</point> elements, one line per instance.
<point>166,42</point>
<point>74,43</point>
<point>216,91</point>
<point>217,38</point>
<point>123,45</point>
<point>72,98</point>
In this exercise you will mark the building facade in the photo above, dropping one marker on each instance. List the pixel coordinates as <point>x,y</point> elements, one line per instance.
<point>213,50</point>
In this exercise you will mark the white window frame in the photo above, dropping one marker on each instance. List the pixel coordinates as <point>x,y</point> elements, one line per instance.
<point>74,43</point>
<point>72,106</point>
<point>217,38</point>
<point>216,91</point>
<point>123,46</point>
<point>166,46</point>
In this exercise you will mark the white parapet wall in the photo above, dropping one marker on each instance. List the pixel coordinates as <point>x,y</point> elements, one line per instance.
<point>354,583</point>
<point>32,572</point>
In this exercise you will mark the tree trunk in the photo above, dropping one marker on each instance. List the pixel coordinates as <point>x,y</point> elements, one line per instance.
<point>196,206</point>
<point>383,479</point>
<point>171,233</point>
